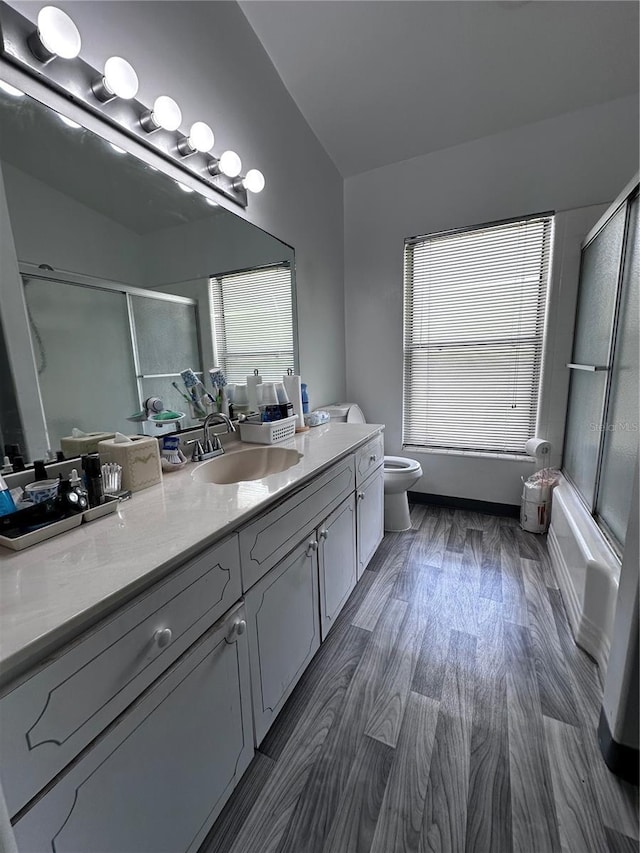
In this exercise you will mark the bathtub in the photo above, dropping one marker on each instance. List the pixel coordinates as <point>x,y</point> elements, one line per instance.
<point>587,572</point>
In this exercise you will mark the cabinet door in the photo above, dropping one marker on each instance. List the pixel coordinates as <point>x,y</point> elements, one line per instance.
<point>284,631</point>
<point>155,782</point>
<point>370,518</point>
<point>337,562</point>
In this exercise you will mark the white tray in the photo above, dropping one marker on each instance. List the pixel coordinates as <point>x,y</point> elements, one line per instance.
<point>268,433</point>
<point>19,543</point>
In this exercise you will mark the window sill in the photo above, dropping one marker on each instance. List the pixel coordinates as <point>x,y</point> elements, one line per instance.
<point>478,454</point>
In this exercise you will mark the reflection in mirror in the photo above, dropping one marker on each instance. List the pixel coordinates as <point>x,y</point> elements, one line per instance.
<point>116,279</point>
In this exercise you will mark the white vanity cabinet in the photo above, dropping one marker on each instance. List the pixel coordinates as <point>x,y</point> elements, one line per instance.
<point>155,781</point>
<point>131,737</point>
<point>337,562</point>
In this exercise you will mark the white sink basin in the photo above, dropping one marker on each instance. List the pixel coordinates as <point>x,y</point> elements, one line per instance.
<point>245,465</point>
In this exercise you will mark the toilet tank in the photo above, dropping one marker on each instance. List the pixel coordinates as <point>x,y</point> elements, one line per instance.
<point>346,412</point>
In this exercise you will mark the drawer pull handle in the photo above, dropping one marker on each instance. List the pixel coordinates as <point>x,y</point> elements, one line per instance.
<point>163,637</point>
<point>324,534</point>
<point>360,496</point>
<point>237,630</point>
<point>373,457</point>
<point>311,547</point>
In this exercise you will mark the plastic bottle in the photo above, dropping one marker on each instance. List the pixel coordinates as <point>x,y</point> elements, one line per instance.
<point>93,478</point>
<point>305,398</point>
<point>6,501</point>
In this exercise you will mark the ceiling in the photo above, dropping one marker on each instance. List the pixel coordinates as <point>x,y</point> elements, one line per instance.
<point>380,82</point>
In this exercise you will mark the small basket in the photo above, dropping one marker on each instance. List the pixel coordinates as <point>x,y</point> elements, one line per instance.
<point>268,433</point>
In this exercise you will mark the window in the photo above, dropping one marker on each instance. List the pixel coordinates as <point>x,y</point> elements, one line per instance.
<point>473,328</point>
<point>252,321</point>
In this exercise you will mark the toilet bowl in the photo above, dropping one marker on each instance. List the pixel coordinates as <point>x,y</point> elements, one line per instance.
<point>400,473</point>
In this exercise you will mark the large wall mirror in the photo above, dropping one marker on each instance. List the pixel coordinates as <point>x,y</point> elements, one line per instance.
<point>125,277</point>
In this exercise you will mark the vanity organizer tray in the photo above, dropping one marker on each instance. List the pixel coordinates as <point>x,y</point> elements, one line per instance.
<point>19,531</point>
<point>256,432</point>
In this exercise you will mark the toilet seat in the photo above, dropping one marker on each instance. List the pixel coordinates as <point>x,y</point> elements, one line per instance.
<point>400,464</point>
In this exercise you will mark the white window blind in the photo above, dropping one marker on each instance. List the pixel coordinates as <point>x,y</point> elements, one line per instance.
<point>473,331</point>
<point>252,319</point>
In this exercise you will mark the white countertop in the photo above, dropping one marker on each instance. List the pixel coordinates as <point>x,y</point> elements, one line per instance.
<point>54,590</point>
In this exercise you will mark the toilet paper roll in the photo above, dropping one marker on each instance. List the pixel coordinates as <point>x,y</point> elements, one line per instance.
<point>294,392</point>
<point>537,447</point>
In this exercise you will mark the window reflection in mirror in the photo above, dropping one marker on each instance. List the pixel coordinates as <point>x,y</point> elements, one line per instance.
<point>92,236</point>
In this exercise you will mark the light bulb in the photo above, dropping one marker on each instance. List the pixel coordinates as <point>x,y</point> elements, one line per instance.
<point>165,114</point>
<point>69,122</point>
<point>200,139</point>
<point>118,81</point>
<point>254,181</point>
<point>11,90</point>
<point>230,164</point>
<point>56,35</point>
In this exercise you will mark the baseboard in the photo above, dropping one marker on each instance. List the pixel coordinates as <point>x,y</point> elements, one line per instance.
<point>487,507</point>
<point>620,759</point>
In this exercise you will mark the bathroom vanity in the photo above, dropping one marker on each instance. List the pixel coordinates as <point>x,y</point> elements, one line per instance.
<point>146,656</point>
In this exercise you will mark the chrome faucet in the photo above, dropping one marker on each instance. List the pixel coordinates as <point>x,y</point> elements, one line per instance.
<point>210,446</point>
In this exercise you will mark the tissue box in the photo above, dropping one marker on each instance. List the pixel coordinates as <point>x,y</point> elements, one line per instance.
<point>140,461</point>
<point>88,443</point>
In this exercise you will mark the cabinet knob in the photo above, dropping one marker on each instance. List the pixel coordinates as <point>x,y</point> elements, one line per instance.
<point>163,637</point>
<point>324,534</point>
<point>373,457</point>
<point>311,547</point>
<point>360,496</point>
<point>237,630</point>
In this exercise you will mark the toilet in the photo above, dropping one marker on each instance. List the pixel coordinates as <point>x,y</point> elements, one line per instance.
<point>400,473</point>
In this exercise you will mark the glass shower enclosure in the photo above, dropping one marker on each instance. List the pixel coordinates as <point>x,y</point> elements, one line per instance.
<point>601,437</point>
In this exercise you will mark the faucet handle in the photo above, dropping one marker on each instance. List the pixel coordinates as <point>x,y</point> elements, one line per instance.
<point>198,451</point>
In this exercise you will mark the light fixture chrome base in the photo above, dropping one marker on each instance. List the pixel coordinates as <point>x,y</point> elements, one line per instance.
<point>38,49</point>
<point>183,147</point>
<point>147,122</point>
<point>101,92</point>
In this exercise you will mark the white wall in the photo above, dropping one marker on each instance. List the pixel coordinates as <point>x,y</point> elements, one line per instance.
<point>52,228</point>
<point>572,164</point>
<point>207,56</point>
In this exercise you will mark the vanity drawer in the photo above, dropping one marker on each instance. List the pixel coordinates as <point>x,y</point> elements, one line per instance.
<point>56,712</point>
<point>268,539</point>
<point>368,458</point>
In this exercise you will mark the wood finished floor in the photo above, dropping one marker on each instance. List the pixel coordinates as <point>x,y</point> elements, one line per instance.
<point>448,710</point>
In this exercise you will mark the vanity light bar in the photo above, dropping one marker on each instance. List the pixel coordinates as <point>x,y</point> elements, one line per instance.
<point>112,95</point>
